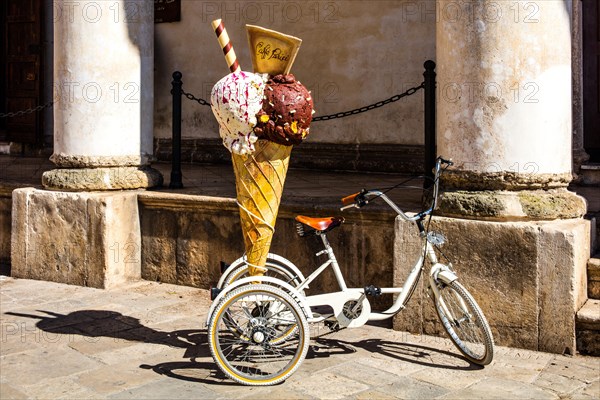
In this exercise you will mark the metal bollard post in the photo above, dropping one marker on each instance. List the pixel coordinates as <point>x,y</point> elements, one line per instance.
<point>430,145</point>
<point>176,139</point>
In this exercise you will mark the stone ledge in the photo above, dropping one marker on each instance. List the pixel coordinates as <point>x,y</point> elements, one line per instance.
<point>504,180</point>
<point>290,206</point>
<point>524,205</point>
<point>588,317</point>
<point>94,179</point>
<point>85,161</point>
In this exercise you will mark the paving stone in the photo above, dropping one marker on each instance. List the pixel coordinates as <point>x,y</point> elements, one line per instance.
<point>394,366</point>
<point>588,392</point>
<point>453,379</point>
<point>558,383</point>
<point>365,372</point>
<point>7,392</point>
<point>138,351</point>
<point>272,392</point>
<point>408,388</point>
<point>166,389</point>
<point>493,388</point>
<point>374,394</point>
<point>30,367</point>
<point>93,345</point>
<point>582,368</point>
<point>107,380</point>
<point>328,386</point>
<point>63,387</point>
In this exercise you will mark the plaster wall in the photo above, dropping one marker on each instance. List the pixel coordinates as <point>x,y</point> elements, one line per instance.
<point>353,53</point>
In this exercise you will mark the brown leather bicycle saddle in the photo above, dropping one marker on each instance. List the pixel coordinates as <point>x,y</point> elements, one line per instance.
<point>321,224</point>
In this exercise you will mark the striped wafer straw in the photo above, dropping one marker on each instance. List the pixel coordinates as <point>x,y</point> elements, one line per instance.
<point>225,43</point>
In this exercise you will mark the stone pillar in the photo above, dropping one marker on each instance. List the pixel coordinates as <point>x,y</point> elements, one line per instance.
<point>103,131</point>
<point>515,233</point>
<point>103,83</point>
<point>504,114</point>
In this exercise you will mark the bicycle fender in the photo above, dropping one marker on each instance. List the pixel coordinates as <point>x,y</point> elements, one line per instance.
<point>447,276</point>
<point>253,279</point>
<point>271,256</point>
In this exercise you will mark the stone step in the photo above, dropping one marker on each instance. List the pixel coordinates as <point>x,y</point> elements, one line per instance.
<point>593,277</point>
<point>588,328</point>
<point>591,174</point>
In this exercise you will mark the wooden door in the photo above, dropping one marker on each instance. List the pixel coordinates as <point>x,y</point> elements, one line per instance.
<point>23,68</point>
<point>591,78</point>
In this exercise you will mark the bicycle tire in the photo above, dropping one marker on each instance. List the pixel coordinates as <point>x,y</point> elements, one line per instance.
<point>259,352</point>
<point>467,327</point>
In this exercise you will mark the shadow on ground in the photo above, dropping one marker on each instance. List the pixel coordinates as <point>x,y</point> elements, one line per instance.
<point>112,324</point>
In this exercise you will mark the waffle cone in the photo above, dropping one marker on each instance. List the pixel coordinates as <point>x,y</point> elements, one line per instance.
<point>259,179</point>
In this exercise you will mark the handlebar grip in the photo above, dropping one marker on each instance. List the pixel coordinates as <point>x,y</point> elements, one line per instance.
<point>348,200</point>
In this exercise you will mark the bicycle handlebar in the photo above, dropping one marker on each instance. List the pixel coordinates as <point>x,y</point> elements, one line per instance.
<point>360,199</point>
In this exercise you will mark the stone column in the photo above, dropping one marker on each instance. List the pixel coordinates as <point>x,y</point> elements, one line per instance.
<point>504,113</point>
<point>103,83</point>
<point>515,233</point>
<point>505,118</point>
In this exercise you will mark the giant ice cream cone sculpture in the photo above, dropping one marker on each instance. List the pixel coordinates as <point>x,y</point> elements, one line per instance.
<point>259,126</point>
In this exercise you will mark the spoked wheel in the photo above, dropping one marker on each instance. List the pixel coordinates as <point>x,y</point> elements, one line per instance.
<point>258,335</point>
<point>465,323</point>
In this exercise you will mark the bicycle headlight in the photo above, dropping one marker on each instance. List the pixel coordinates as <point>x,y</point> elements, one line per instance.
<point>436,238</point>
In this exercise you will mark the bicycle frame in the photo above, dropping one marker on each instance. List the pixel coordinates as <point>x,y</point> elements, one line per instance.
<point>350,305</point>
<point>438,271</point>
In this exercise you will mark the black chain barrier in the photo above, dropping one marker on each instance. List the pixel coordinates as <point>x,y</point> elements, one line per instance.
<point>429,120</point>
<point>370,107</point>
<point>28,111</point>
<point>360,110</point>
<point>190,96</point>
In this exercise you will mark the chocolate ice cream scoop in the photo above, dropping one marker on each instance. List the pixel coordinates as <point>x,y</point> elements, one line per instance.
<point>286,111</point>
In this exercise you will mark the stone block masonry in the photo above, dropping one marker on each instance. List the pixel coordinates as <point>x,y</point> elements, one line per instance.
<point>528,278</point>
<point>87,239</point>
<point>185,237</point>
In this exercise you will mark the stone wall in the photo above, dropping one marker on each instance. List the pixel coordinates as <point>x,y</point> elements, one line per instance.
<point>353,54</point>
<point>184,238</point>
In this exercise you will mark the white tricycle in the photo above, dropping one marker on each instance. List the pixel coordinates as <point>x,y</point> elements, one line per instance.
<point>258,330</point>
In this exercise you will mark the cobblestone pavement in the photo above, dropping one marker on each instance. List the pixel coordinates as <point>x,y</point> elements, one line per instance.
<point>148,341</point>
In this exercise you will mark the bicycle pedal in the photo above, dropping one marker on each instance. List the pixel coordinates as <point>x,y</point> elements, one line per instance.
<point>372,290</point>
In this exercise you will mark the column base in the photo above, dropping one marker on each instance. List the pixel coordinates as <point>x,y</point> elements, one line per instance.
<point>529,278</point>
<point>104,178</point>
<point>86,239</point>
<point>504,205</point>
